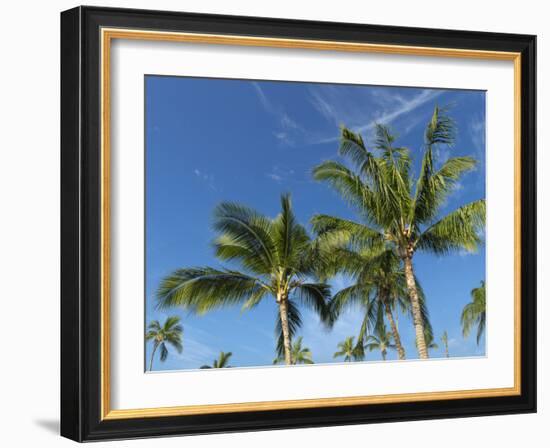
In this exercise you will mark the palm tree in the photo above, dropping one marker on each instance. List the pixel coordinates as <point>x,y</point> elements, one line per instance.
<point>445,340</point>
<point>380,287</point>
<point>277,259</point>
<point>350,351</point>
<point>397,210</point>
<point>299,354</point>
<point>170,332</point>
<point>474,313</point>
<point>381,340</point>
<point>219,363</point>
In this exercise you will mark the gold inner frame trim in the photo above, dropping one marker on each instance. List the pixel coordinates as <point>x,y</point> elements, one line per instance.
<point>107,35</point>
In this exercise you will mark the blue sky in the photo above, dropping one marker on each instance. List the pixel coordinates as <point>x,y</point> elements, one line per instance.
<point>213,140</point>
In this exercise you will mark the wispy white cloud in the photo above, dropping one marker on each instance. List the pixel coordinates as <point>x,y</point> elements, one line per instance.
<point>323,105</point>
<point>288,130</point>
<point>280,174</point>
<point>206,177</point>
<point>263,98</point>
<point>476,131</point>
<point>351,110</point>
<point>453,342</point>
<point>275,177</point>
<point>195,353</point>
<point>404,108</point>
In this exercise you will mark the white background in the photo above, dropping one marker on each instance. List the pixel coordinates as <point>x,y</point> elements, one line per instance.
<point>132,388</point>
<point>29,228</point>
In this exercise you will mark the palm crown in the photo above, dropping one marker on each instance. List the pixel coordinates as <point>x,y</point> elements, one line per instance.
<point>349,350</point>
<point>170,333</point>
<point>221,362</point>
<point>380,340</point>
<point>474,313</point>
<point>277,259</point>
<point>397,211</point>
<point>299,354</point>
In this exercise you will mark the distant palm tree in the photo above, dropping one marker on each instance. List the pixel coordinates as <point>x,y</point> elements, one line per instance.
<point>445,340</point>
<point>350,351</point>
<point>170,333</point>
<point>397,209</point>
<point>300,355</point>
<point>277,258</point>
<point>474,313</point>
<point>381,340</point>
<point>219,363</point>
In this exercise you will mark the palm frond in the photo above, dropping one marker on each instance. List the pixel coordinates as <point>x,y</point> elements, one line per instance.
<point>354,295</point>
<point>315,296</point>
<point>460,229</point>
<point>203,289</point>
<point>371,321</point>
<point>441,129</point>
<point>150,335</point>
<point>255,298</point>
<point>175,341</point>
<point>395,167</point>
<point>163,352</point>
<point>248,228</point>
<point>480,327</point>
<point>474,313</point>
<point>333,232</point>
<point>351,188</point>
<point>291,239</point>
<point>434,186</point>
<point>154,325</point>
<point>223,359</point>
<point>228,248</point>
<point>353,147</point>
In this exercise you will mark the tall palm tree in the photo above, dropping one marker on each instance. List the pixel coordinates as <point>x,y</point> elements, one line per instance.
<point>350,351</point>
<point>299,354</point>
<point>170,333</point>
<point>474,313</point>
<point>445,340</point>
<point>380,340</point>
<point>379,288</point>
<point>397,209</point>
<point>221,362</point>
<point>277,259</point>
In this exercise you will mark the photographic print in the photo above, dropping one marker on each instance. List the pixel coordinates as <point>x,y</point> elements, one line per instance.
<point>314,206</point>
<point>296,223</point>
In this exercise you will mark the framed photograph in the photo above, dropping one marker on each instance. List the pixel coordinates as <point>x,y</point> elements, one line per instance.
<point>273,223</point>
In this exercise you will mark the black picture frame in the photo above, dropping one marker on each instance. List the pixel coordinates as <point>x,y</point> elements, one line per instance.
<point>81,225</point>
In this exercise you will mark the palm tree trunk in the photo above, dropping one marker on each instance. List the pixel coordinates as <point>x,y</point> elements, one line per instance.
<point>152,356</point>
<point>384,355</point>
<point>283,312</point>
<point>395,333</point>
<point>415,304</point>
